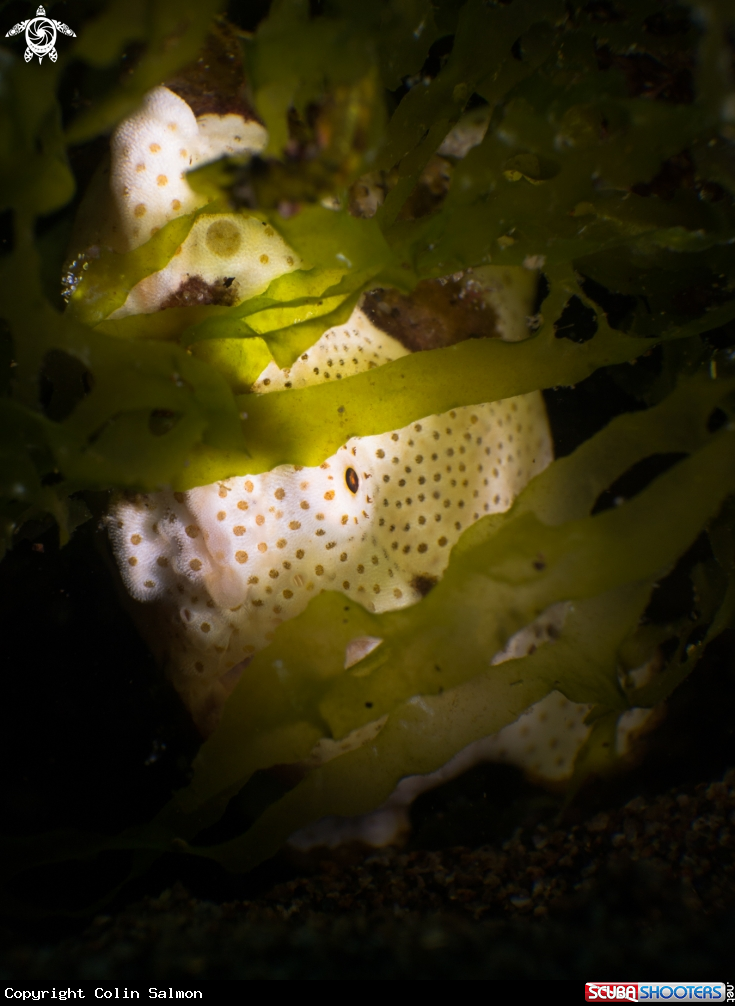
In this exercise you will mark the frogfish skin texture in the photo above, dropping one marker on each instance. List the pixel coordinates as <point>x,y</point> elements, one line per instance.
<point>377,520</point>
<point>219,567</point>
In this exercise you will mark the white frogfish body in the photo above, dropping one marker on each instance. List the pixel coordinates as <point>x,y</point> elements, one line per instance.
<point>222,565</point>
<point>376,520</point>
<point>151,152</point>
<point>225,258</point>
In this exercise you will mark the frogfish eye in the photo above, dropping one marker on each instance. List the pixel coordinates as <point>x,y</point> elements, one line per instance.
<point>353,483</point>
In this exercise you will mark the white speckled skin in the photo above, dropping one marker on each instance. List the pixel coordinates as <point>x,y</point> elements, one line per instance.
<point>544,741</point>
<point>225,250</point>
<point>232,560</point>
<point>152,150</point>
<point>224,564</point>
<point>340,352</point>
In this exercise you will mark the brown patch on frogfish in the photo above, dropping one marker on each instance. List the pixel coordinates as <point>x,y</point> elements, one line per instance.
<point>215,82</point>
<point>423,583</point>
<point>196,291</point>
<point>438,313</point>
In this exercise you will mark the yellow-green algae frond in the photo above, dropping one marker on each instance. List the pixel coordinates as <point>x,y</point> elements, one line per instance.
<point>607,161</point>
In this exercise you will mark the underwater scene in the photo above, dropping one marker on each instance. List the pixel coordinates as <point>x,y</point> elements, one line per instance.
<point>367,489</point>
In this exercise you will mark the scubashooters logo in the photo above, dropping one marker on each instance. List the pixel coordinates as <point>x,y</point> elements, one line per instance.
<point>655,991</point>
<point>40,35</point>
